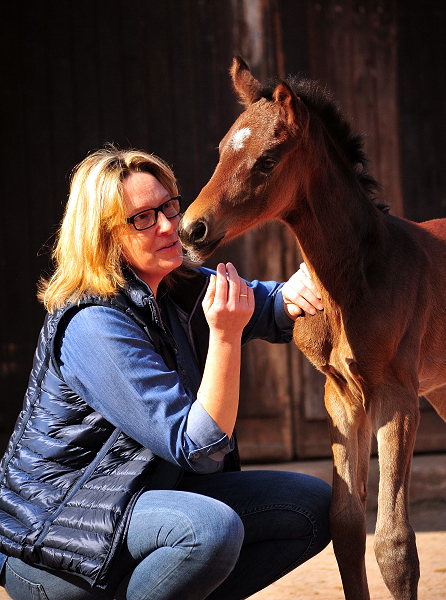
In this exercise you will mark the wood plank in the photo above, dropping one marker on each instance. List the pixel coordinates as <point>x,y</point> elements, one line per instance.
<point>422,106</point>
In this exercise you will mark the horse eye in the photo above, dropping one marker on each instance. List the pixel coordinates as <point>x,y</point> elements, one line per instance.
<point>267,164</point>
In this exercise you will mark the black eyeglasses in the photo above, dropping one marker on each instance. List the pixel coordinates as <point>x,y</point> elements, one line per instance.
<point>147,218</point>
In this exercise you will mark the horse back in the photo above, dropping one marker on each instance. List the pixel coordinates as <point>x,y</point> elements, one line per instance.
<point>428,264</point>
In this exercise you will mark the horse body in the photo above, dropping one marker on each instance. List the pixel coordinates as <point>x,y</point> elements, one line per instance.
<point>381,338</point>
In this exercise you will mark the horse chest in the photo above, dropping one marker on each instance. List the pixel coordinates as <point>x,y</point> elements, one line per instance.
<point>329,351</point>
<point>313,335</point>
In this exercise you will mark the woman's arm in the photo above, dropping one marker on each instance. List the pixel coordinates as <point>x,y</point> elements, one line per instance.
<point>109,362</point>
<point>228,306</point>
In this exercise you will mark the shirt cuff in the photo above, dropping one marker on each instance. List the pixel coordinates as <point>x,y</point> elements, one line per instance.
<point>209,440</point>
<point>283,321</point>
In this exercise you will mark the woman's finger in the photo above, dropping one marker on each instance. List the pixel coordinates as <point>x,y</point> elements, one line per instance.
<point>303,275</point>
<point>210,293</point>
<point>234,283</point>
<point>221,291</point>
<point>303,267</point>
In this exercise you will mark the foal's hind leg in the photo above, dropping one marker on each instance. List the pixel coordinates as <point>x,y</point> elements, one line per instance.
<point>350,437</point>
<point>395,415</point>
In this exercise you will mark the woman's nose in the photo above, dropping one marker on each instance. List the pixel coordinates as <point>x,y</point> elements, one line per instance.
<point>163,223</point>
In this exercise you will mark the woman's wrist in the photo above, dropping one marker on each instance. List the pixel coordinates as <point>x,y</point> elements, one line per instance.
<point>225,337</point>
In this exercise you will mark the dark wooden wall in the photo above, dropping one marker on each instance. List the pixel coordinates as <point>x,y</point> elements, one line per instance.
<point>151,74</point>
<point>422,107</point>
<point>75,75</point>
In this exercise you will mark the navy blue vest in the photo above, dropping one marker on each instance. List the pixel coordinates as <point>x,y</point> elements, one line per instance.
<point>69,479</point>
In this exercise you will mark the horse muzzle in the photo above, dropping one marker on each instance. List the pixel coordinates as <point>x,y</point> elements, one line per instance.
<point>195,238</point>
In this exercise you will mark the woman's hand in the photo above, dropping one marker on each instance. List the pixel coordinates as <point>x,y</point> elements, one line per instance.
<point>228,306</point>
<point>301,294</point>
<point>229,302</point>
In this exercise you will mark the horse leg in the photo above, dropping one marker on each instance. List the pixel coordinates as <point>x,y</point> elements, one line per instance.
<point>395,414</point>
<point>438,400</point>
<point>350,438</point>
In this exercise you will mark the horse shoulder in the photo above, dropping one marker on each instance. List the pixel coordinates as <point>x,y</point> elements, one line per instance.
<point>322,338</point>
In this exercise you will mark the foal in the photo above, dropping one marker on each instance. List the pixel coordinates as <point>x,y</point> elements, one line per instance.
<point>381,339</point>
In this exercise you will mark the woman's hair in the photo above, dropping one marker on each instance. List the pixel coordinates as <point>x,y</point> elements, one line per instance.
<point>88,253</point>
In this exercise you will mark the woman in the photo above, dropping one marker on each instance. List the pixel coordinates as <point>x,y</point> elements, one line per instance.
<point>121,479</point>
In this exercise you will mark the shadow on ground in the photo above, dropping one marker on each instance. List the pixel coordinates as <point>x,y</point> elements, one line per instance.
<point>424,516</point>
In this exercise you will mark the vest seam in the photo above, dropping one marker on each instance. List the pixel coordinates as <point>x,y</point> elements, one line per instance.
<point>48,522</point>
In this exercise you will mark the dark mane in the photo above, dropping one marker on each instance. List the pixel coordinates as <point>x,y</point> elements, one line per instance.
<point>320,102</point>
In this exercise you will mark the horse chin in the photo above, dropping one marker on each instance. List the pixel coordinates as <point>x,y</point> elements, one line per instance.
<point>201,251</point>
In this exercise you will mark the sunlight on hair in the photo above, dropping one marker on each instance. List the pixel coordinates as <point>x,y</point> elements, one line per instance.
<point>87,255</point>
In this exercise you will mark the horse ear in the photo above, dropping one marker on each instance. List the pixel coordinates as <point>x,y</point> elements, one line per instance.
<point>246,86</point>
<point>292,106</point>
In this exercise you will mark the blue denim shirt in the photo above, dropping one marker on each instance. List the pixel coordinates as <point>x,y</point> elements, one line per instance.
<point>108,360</point>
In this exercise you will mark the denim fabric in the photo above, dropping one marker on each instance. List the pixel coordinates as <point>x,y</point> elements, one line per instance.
<point>110,363</point>
<point>221,536</point>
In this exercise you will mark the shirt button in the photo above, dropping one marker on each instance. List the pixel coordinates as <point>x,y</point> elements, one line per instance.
<point>196,455</point>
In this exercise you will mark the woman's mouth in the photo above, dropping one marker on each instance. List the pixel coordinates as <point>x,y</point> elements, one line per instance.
<point>169,246</point>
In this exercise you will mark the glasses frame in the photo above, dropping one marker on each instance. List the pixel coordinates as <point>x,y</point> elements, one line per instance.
<point>157,210</point>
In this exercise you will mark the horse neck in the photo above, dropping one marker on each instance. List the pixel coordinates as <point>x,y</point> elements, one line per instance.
<point>339,232</point>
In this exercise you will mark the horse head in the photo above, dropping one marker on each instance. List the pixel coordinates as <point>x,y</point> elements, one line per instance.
<point>253,180</point>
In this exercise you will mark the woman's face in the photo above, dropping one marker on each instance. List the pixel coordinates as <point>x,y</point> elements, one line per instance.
<point>154,252</point>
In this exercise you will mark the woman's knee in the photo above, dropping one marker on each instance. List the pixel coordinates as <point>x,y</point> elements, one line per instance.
<point>317,506</point>
<point>289,506</point>
<point>222,533</point>
<point>182,519</point>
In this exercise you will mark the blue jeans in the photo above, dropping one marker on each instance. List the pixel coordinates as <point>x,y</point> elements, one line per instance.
<point>221,537</point>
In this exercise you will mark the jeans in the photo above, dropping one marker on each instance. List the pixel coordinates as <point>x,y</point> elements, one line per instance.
<point>221,537</point>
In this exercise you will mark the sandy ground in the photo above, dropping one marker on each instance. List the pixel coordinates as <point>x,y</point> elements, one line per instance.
<point>319,579</point>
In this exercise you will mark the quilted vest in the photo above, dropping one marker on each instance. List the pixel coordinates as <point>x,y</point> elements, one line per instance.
<point>69,479</point>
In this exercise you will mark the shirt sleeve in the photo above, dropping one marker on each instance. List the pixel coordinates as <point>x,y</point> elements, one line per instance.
<point>109,361</point>
<point>269,321</point>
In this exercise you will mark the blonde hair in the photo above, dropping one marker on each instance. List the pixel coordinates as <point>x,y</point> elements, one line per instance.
<point>87,254</point>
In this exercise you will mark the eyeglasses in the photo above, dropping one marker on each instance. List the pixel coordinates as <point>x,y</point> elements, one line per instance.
<point>147,218</point>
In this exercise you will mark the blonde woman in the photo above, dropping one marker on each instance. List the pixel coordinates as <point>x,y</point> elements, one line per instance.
<point>121,478</point>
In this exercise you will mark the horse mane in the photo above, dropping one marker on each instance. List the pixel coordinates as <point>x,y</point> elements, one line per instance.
<point>320,102</point>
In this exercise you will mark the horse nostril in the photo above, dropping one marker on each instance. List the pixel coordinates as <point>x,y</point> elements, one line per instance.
<point>198,231</point>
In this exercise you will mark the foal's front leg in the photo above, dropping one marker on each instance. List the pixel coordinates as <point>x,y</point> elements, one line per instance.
<point>350,438</point>
<point>395,415</point>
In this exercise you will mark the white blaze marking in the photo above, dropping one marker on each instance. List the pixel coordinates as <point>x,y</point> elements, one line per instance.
<point>239,137</point>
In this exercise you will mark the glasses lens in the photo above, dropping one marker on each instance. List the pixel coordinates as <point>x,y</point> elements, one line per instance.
<point>144,220</point>
<point>147,219</point>
<point>171,208</point>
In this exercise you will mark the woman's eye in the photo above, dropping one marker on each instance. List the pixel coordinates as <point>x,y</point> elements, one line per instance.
<point>141,217</point>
